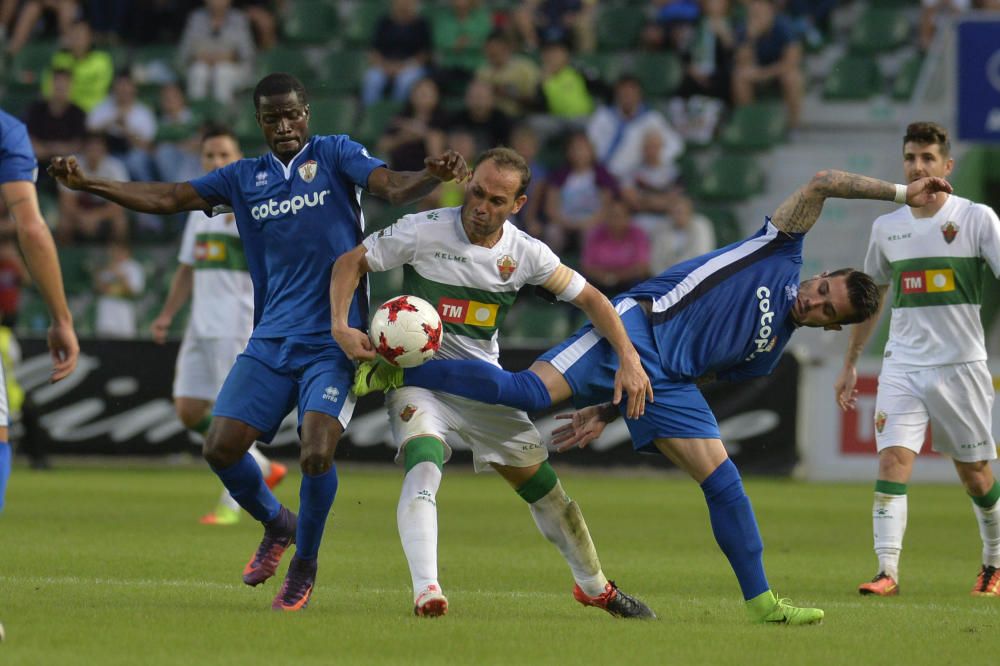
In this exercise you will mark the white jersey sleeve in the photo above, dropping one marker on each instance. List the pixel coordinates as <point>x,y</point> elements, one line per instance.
<point>186,253</point>
<point>396,245</point>
<point>876,263</point>
<point>989,237</point>
<point>550,273</point>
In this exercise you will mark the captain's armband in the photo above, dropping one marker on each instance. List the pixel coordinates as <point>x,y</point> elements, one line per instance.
<point>565,283</point>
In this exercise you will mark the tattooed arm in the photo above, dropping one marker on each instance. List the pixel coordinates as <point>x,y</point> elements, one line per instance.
<point>799,212</point>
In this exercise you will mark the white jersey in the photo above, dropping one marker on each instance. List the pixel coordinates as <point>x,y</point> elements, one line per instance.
<point>472,286</point>
<point>935,267</point>
<point>222,298</point>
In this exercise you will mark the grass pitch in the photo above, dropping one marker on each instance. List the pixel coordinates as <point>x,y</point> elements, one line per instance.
<point>109,566</point>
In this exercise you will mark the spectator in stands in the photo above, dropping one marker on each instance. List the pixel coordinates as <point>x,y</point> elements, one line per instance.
<point>769,53</point>
<point>118,284</point>
<point>707,53</point>
<point>514,77</point>
<point>217,51</point>
<point>65,12</point>
<point>129,124</point>
<point>577,196</point>
<point>564,90</point>
<point>156,21</point>
<point>401,50</point>
<point>568,21</point>
<point>811,18</point>
<point>650,187</point>
<point>85,217</point>
<point>108,19</point>
<point>686,234</point>
<point>459,34</point>
<point>617,131</point>
<point>56,125</point>
<point>13,276</point>
<point>524,140</point>
<point>615,253</point>
<point>932,12</point>
<point>261,16</point>
<point>92,69</point>
<point>417,131</point>
<point>448,194</point>
<point>178,142</point>
<point>479,116</point>
<point>670,25</point>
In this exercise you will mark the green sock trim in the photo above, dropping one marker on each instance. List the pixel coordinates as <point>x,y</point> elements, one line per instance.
<point>539,485</point>
<point>423,449</point>
<point>890,487</point>
<point>761,606</point>
<point>990,498</point>
<point>201,427</point>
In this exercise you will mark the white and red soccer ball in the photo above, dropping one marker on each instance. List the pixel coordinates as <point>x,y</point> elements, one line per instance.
<point>406,331</point>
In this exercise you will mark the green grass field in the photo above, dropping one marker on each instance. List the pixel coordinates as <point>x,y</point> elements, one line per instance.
<point>109,566</point>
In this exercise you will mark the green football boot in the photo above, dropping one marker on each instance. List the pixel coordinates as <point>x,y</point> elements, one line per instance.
<point>374,376</point>
<point>767,609</point>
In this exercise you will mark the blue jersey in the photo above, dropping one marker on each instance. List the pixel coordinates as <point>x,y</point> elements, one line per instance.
<point>17,159</point>
<point>295,221</point>
<point>727,312</point>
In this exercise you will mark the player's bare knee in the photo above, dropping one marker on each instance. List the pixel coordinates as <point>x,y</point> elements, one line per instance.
<point>317,459</point>
<point>977,477</point>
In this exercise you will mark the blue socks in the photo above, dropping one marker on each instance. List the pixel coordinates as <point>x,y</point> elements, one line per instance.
<point>482,381</point>
<point>4,470</point>
<point>315,499</point>
<point>735,528</point>
<point>246,484</point>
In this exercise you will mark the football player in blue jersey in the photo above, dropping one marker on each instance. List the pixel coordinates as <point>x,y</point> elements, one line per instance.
<point>726,315</point>
<point>18,171</point>
<point>298,208</point>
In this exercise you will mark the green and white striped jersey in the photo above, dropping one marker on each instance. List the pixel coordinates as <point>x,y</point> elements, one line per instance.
<point>472,286</point>
<point>222,294</point>
<point>935,266</point>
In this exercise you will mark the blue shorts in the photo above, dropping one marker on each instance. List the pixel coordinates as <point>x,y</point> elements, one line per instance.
<point>588,362</point>
<point>272,375</point>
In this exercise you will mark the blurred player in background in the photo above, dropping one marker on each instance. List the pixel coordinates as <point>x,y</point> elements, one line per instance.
<point>18,172</point>
<point>726,315</point>
<point>489,260</point>
<point>213,274</point>
<point>297,208</point>
<point>934,370</point>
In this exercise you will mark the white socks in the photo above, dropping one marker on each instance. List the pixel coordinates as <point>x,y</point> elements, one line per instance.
<point>989,530</point>
<point>560,521</point>
<point>416,518</point>
<point>889,523</point>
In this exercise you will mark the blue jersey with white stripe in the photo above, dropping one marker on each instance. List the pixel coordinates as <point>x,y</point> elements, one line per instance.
<point>294,222</point>
<point>727,312</point>
<point>17,158</point>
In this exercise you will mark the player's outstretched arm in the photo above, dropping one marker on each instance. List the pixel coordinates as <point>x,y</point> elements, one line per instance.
<point>403,187</point>
<point>585,425</point>
<point>181,286</point>
<point>860,333</point>
<point>39,251</point>
<point>630,377</point>
<point>799,212</point>
<point>347,272</point>
<point>144,197</point>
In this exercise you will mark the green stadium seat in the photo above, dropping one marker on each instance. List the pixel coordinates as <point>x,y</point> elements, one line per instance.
<point>853,77</point>
<point>25,70</point>
<point>332,115</point>
<point>906,79</point>
<point>287,59</point>
<point>537,323</point>
<point>342,71</point>
<point>618,28</point>
<point>600,66</point>
<point>149,62</point>
<point>384,285</point>
<point>374,120</point>
<point>245,126</point>
<point>660,73</point>
<point>361,24</point>
<point>32,315</point>
<point>730,177</point>
<point>724,222</point>
<point>310,22</point>
<point>878,30</point>
<point>755,127</point>
<point>76,264</point>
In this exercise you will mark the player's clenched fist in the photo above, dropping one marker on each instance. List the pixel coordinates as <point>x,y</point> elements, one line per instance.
<point>67,171</point>
<point>449,165</point>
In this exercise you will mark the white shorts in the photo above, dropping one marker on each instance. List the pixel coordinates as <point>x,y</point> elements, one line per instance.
<point>202,366</point>
<point>495,434</point>
<point>955,399</point>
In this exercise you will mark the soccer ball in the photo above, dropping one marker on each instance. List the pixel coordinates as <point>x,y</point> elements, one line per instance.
<point>406,331</point>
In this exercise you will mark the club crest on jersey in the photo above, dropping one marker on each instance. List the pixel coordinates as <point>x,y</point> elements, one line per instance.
<point>880,419</point>
<point>506,265</point>
<point>949,230</point>
<point>407,413</point>
<point>307,170</point>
